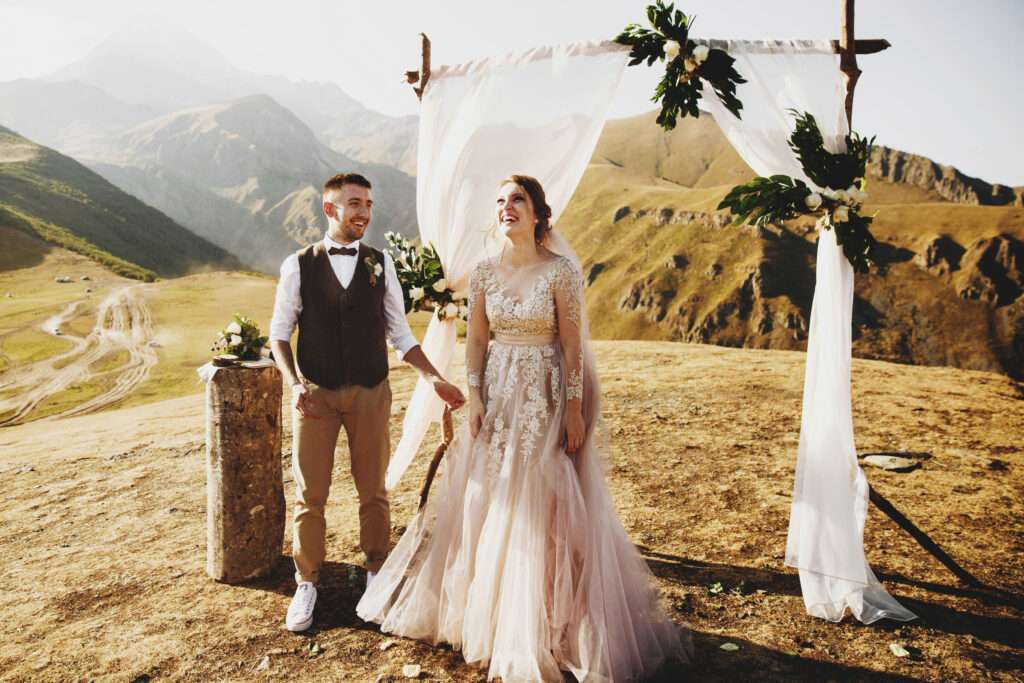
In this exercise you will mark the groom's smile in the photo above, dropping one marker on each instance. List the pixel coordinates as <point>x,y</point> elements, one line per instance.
<point>350,211</point>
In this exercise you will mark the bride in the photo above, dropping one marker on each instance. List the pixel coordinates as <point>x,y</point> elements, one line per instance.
<point>519,558</point>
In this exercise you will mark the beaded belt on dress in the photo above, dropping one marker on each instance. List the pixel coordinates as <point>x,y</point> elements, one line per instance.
<point>525,339</point>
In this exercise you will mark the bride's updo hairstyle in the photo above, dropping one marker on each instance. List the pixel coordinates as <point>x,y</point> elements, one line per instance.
<point>532,187</point>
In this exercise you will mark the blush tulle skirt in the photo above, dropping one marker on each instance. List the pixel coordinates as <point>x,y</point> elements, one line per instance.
<point>519,558</point>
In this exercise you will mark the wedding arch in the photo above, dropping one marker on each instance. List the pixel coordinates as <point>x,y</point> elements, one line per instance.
<point>476,128</point>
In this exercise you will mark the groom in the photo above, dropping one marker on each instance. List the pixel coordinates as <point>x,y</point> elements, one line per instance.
<point>346,300</point>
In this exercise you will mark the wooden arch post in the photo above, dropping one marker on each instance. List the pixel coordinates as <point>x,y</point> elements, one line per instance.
<point>847,46</point>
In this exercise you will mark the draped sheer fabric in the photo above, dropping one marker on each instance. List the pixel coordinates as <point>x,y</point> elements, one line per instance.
<point>538,113</point>
<point>830,492</point>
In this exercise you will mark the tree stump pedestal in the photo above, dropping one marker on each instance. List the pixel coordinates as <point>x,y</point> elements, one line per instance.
<point>245,513</point>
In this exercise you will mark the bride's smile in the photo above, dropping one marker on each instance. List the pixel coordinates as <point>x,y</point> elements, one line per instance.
<point>515,212</point>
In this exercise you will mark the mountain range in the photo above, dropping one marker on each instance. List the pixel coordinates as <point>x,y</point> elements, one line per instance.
<point>236,157</point>
<point>245,175</point>
<point>52,197</point>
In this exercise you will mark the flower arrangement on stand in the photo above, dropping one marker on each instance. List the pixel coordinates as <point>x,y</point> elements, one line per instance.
<point>241,338</point>
<point>687,64</point>
<point>837,202</point>
<point>424,286</point>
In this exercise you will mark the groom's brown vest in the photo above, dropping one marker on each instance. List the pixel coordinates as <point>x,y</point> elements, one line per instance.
<point>341,330</point>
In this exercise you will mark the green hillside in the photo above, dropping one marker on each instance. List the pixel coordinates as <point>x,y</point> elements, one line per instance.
<point>52,196</point>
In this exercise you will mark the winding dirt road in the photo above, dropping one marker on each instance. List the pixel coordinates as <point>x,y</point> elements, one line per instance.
<point>123,323</point>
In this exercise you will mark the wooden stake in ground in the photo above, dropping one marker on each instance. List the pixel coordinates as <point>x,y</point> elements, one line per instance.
<point>245,492</point>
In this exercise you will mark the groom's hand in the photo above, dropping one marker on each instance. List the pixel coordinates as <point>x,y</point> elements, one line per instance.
<point>302,401</point>
<point>449,393</point>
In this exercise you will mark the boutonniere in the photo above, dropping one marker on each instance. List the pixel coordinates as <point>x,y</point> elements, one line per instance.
<point>374,268</point>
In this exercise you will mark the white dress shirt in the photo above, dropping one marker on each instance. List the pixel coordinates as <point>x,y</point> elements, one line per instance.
<point>288,302</point>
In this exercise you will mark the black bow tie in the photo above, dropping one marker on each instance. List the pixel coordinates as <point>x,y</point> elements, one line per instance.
<point>344,251</point>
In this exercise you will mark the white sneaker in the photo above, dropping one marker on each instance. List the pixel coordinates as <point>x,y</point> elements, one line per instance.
<point>300,611</point>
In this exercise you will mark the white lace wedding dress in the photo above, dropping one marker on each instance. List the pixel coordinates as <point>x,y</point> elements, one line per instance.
<point>519,559</point>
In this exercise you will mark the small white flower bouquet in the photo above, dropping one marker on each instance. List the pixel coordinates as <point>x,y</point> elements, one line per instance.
<point>424,286</point>
<point>240,338</point>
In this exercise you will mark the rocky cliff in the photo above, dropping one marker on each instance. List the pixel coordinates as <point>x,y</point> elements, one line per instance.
<point>661,262</point>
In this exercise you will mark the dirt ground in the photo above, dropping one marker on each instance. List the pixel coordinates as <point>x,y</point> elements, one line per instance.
<point>102,531</point>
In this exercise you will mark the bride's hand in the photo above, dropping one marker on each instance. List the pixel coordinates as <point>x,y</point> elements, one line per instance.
<point>575,430</point>
<point>476,415</point>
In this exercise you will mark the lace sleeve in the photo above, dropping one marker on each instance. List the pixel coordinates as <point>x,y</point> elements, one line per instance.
<point>477,329</point>
<point>568,291</point>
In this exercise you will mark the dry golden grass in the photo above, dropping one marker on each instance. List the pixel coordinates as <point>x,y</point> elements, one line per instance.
<point>104,533</point>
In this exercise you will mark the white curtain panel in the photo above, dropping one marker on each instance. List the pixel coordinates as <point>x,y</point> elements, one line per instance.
<point>539,113</point>
<point>830,494</point>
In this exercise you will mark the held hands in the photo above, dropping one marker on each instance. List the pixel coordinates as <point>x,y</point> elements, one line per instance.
<point>575,430</point>
<point>449,393</point>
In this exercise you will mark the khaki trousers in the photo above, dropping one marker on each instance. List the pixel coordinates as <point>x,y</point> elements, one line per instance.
<point>364,412</point>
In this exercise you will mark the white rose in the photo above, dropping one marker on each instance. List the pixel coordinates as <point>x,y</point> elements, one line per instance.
<point>690,64</point>
<point>841,214</point>
<point>841,196</point>
<point>829,192</point>
<point>451,309</point>
<point>234,328</point>
<point>416,293</point>
<point>440,285</point>
<point>378,269</point>
<point>812,201</point>
<point>235,340</point>
<point>671,49</point>
<point>700,53</point>
<point>463,311</point>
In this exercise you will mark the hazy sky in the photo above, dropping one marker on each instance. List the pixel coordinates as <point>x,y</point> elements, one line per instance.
<point>949,87</point>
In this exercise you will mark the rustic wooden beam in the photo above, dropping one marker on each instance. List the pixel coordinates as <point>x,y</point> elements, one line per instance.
<point>848,57</point>
<point>423,75</point>
<point>848,48</point>
<point>866,46</point>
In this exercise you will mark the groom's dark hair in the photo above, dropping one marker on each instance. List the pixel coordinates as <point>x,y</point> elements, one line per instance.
<point>336,181</point>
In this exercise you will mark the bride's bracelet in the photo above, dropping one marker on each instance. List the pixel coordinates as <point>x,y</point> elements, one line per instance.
<point>474,379</point>
<point>574,386</point>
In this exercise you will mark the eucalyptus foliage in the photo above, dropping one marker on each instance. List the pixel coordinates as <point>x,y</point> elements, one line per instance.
<point>840,176</point>
<point>686,68</point>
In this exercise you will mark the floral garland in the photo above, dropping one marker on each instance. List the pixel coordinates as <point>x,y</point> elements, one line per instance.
<point>838,203</point>
<point>424,287</point>
<point>686,64</point>
<point>241,338</point>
